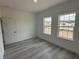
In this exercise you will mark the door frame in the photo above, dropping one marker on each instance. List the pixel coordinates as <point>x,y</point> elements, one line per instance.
<point>2,31</point>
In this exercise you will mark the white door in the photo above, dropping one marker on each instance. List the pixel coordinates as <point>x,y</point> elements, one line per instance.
<point>9,26</point>
<point>1,43</point>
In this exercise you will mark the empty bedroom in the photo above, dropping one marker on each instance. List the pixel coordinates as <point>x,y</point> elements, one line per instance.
<point>39,29</point>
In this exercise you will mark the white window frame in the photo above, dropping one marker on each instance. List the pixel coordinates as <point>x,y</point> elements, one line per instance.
<point>45,25</point>
<point>65,30</point>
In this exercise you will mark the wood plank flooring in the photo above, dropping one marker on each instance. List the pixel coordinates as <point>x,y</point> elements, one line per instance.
<point>36,49</point>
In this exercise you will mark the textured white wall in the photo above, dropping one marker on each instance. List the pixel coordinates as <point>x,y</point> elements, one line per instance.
<point>23,23</point>
<point>54,12</point>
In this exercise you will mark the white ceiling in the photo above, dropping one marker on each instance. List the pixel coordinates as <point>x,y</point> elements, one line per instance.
<point>29,5</point>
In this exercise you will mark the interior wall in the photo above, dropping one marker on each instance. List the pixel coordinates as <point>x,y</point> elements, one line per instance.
<point>18,25</point>
<point>54,12</point>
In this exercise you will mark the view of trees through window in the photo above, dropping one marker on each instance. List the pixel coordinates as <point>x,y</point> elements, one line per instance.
<point>66,26</point>
<point>47,25</point>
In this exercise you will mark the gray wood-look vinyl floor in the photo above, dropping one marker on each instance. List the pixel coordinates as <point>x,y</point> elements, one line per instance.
<point>36,49</point>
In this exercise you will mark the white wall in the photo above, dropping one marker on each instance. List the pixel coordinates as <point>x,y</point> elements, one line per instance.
<point>54,12</point>
<point>23,23</point>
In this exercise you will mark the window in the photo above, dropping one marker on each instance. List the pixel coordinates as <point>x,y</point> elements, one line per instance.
<point>66,26</point>
<point>47,25</point>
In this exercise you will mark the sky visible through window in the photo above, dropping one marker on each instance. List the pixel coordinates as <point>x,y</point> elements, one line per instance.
<point>68,17</point>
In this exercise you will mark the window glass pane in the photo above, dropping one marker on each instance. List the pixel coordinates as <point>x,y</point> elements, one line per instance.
<point>64,34</point>
<point>66,17</point>
<point>70,35</point>
<point>61,18</point>
<point>72,16</point>
<point>60,33</point>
